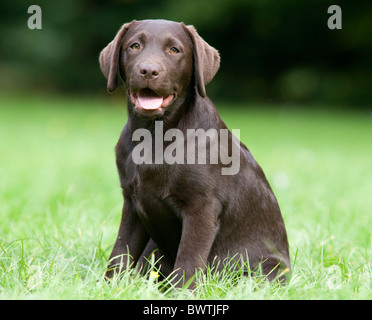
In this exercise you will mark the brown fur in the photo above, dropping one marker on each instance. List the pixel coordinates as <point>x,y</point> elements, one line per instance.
<point>190,213</point>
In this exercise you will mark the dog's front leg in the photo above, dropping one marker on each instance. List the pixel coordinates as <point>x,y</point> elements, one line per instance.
<point>130,242</point>
<point>199,227</point>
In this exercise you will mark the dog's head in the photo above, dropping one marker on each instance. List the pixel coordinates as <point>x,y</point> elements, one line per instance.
<point>156,60</point>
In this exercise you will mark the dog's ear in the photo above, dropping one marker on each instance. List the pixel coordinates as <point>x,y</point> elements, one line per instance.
<point>206,60</point>
<point>109,58</point>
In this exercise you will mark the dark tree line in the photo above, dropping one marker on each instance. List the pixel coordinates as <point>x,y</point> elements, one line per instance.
<point>272,50</point>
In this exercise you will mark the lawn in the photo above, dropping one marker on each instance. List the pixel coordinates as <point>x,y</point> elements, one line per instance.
<point>60,200</point>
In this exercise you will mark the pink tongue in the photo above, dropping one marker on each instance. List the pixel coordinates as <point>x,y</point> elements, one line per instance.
<point>150,101</point>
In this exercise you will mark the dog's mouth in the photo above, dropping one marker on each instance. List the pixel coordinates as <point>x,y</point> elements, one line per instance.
<point>147,99</point>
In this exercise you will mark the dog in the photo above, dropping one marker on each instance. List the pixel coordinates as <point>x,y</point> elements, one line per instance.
<point>190,214</point>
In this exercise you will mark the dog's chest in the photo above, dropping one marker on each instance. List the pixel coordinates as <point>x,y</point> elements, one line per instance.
<point>149,192</point>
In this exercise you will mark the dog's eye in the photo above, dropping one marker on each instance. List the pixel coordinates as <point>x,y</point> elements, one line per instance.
<point>174,50</point>
<point>135,46</point>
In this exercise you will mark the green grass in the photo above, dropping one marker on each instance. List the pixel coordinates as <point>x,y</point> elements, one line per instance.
<point>60,201</point>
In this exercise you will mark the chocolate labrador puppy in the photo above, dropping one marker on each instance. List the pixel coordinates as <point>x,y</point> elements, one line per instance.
<point>192,211</point>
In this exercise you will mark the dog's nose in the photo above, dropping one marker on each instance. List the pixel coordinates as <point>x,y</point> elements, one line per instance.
<point>149,71</point>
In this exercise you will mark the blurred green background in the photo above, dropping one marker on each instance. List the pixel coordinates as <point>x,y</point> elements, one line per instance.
<point>272,51</point>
